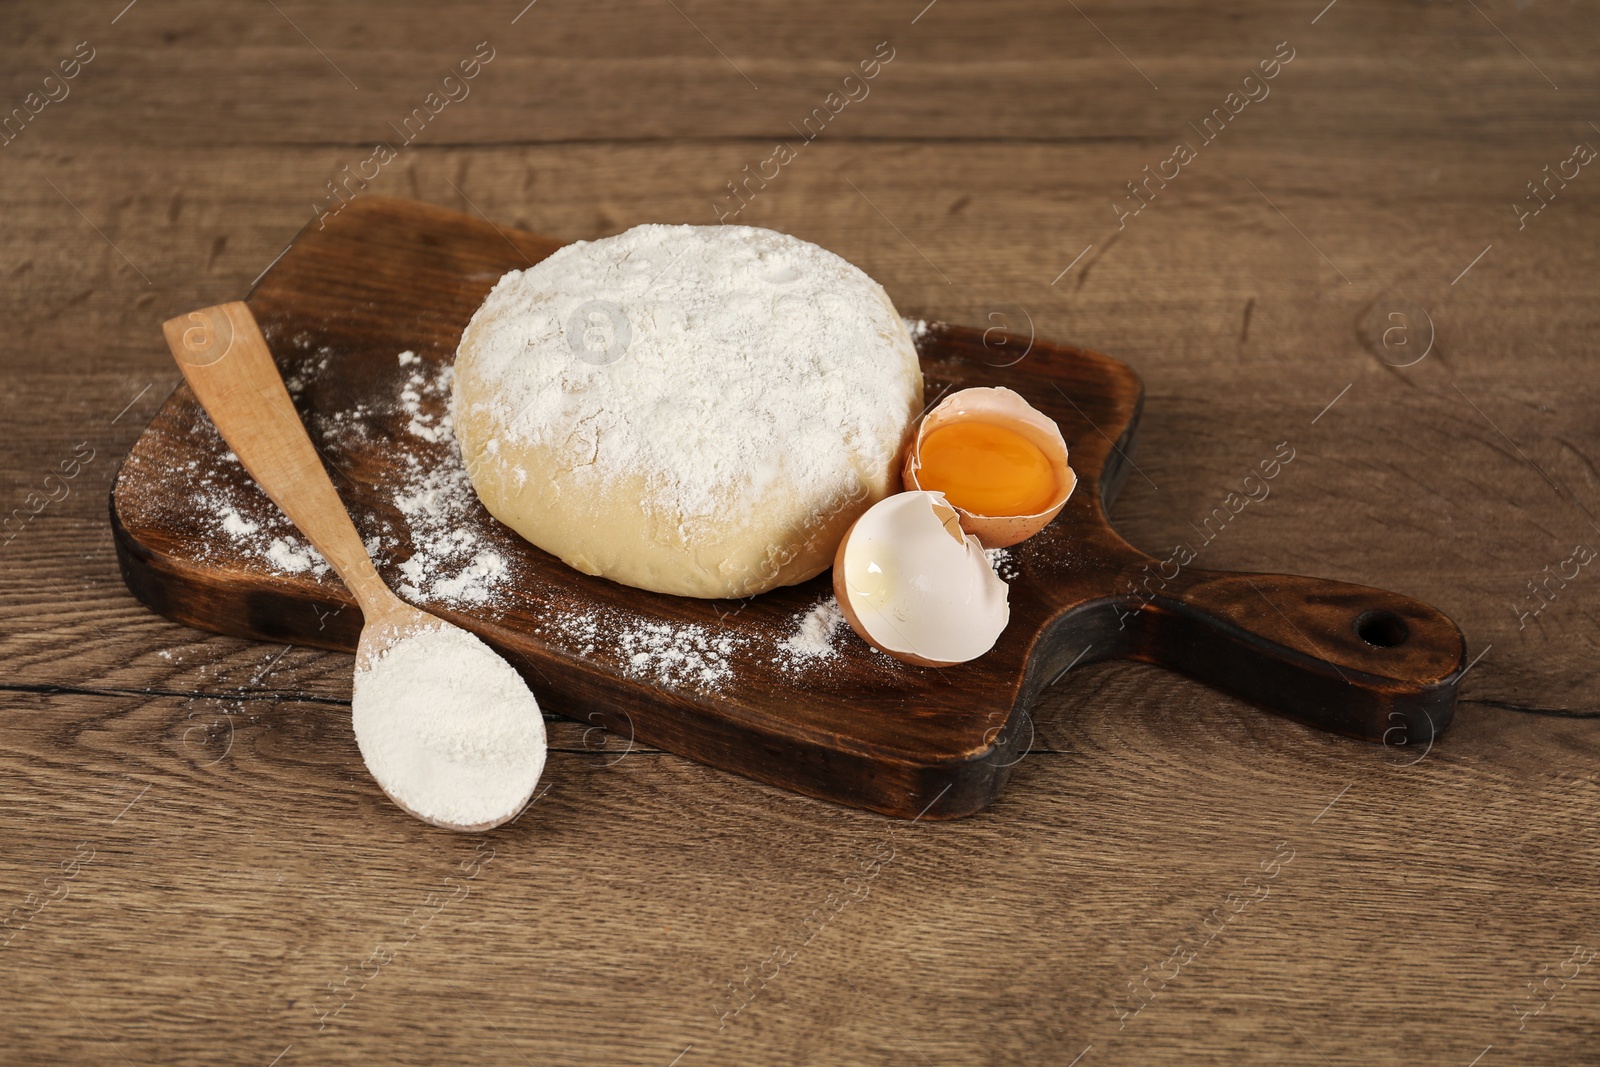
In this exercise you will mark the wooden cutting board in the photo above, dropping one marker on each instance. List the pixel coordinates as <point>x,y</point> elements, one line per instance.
<point>719,681</point>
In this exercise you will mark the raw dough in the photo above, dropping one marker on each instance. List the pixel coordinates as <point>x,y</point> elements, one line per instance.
<point>699,410</point>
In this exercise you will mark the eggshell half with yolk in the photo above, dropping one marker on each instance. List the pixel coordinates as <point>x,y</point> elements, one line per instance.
<point>1040,481</point>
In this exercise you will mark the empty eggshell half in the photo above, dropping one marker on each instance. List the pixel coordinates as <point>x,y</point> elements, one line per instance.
<point>1006,408</point>
<point>912,584</point>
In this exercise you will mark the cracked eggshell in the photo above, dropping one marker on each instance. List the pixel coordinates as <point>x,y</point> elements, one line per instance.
<point>913,585</point>
<point>1005,408</point>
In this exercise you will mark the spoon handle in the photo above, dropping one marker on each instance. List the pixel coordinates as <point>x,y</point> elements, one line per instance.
<point>230,369</point>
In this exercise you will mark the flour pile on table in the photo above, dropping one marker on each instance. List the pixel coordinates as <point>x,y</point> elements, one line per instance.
<point>814,637</point>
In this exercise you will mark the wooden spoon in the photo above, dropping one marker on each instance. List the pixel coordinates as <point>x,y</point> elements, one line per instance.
<point>228,366</point>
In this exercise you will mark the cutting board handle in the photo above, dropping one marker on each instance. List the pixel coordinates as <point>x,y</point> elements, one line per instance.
<point>1361,661</point>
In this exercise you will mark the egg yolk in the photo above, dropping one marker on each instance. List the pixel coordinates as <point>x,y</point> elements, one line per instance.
<point>987,469</point>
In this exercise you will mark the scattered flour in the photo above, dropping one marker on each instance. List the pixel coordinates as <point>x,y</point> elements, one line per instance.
<point>449,729</point>
<point>813,640</point>
<point>1003,563</point>
<point>668,654</point>
<point>448,563</point>
<point>308,370</point>
<point>233,524</point>
<point>678,654</point>
<point>288,554</point>
<point>430,426</point>
<point>266,534</point>
<point>471,584</point>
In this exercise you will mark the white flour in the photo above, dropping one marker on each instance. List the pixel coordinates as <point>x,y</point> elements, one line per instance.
<point>449,729</point>
<point>448,564</point>
<point>677,653</point>
<point>1003,564</point>
<point>235,526</point>
<point>663,353</point>
<point>428,426</point>
<point>690,655</point>
<point>437,499</point>
<point>813,640</point>
<point>289,555</point>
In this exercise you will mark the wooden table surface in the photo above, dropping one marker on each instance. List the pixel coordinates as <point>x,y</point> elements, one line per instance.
<point>198,870</point>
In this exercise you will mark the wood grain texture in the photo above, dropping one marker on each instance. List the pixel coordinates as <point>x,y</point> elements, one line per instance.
<point>707,874</point>
<point>1418,907</point>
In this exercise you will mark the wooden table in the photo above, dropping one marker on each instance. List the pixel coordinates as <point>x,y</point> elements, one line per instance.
<point>199,871</point>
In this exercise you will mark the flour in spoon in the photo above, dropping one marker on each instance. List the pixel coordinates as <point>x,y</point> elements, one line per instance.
<point>449,729</point>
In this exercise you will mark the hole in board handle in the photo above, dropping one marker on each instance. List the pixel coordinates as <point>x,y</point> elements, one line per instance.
<point>1382,629</point>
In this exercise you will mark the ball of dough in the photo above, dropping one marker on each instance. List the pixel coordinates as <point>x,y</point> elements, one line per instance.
<point>698,410</point>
